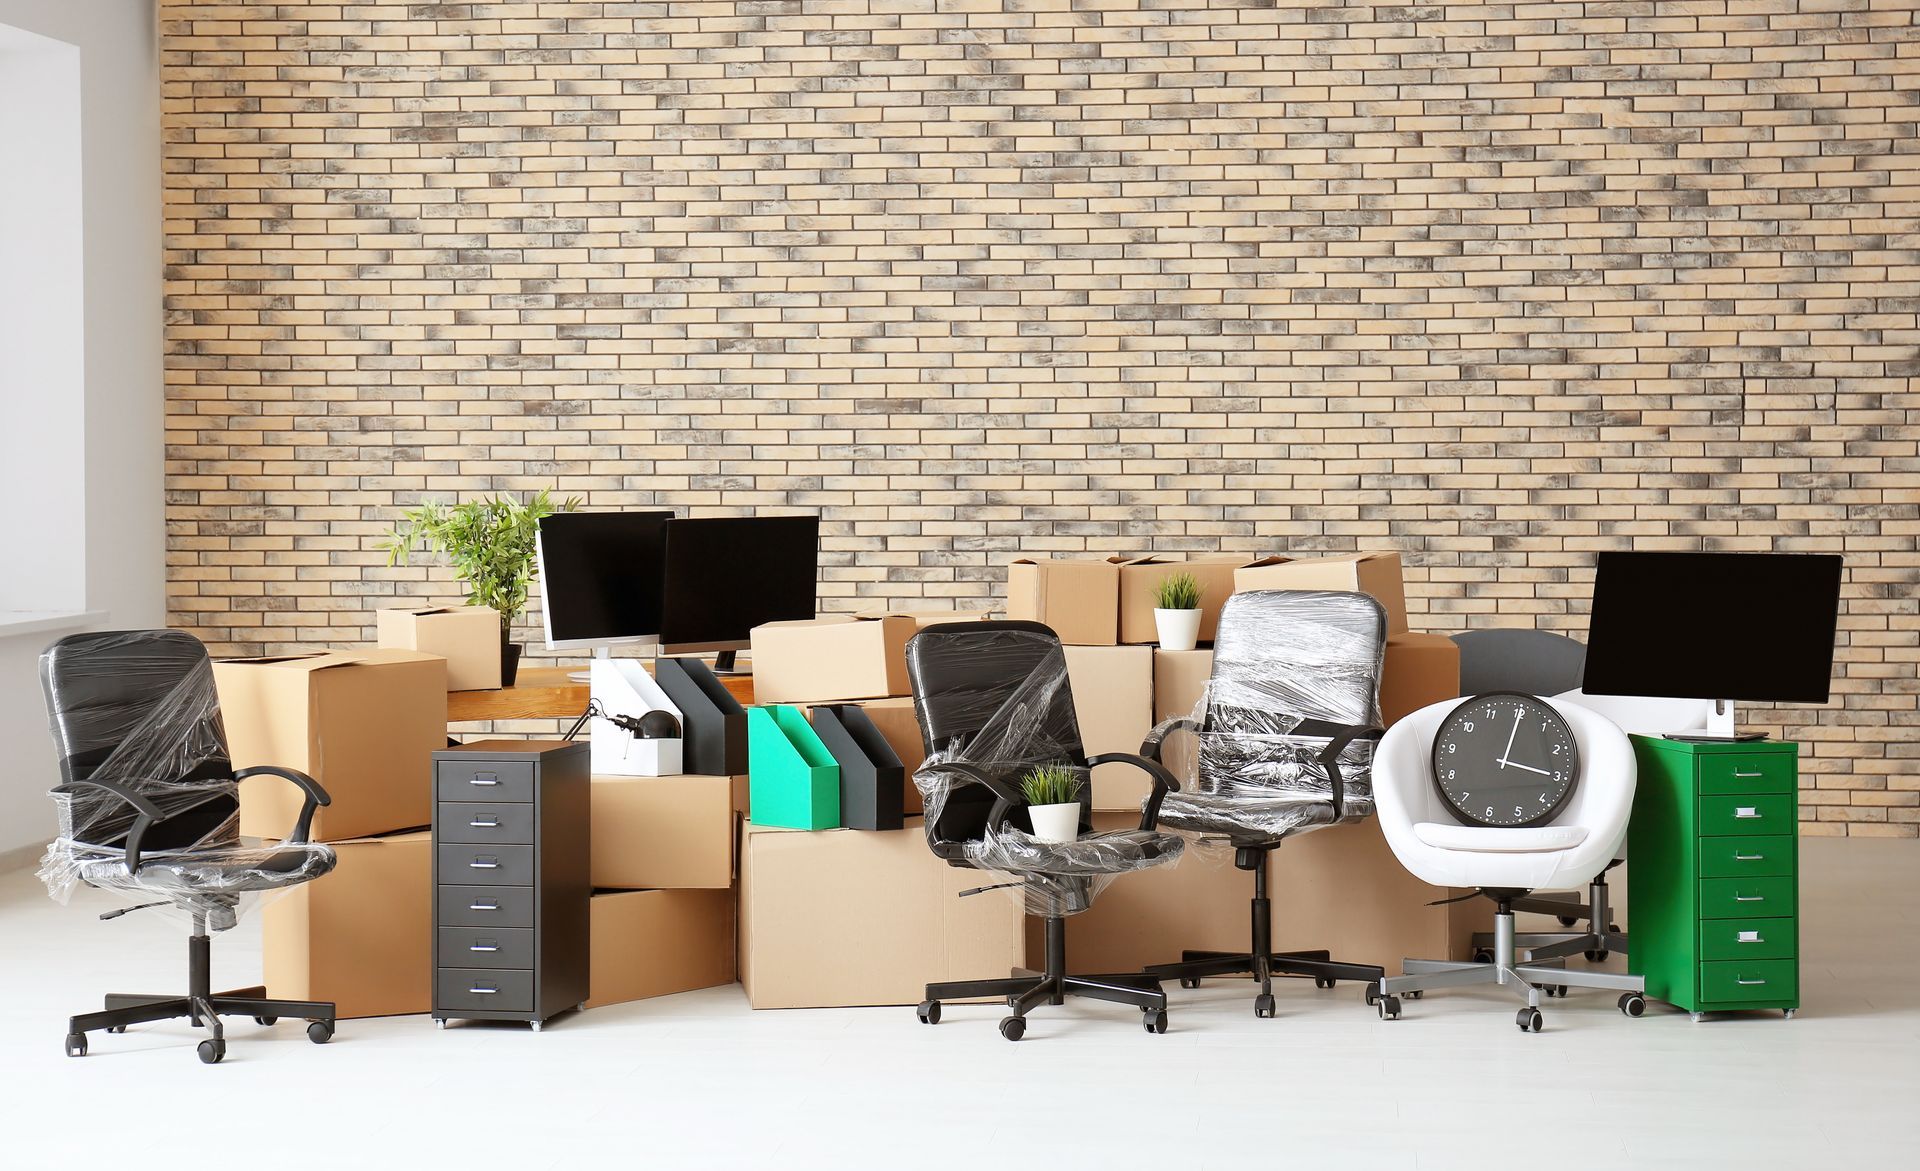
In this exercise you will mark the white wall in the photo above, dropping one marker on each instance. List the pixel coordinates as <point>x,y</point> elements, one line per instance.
<point>117,478</point>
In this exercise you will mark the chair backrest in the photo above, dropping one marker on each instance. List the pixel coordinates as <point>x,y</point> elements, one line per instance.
<point>1285,661</point>
<point>1534,662</point>
<point>994,695</point>
<point>138,708</point>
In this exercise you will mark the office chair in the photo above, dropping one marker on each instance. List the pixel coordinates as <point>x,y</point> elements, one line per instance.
<point>1284,746</point>
<point>1503,863</point>
<point>149,805</point>
<point>992,701</point>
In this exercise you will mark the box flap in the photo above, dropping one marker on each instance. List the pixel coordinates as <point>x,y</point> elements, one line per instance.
<point>305,661</point>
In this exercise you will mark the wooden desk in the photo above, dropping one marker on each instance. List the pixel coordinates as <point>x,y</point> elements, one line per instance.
<point>545,693</point>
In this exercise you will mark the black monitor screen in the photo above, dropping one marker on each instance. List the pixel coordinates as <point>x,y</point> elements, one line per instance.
<point>1736,626</point>
<point>600,575</point>
<point>727,575</point>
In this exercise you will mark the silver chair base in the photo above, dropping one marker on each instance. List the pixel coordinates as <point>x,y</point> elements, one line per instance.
<point>1527,980</point>
<point>1596,942</point>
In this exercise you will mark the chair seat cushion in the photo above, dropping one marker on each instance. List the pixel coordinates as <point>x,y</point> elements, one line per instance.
<point>223,870</point>
<point>1115,852</point>
<point>1482,839</point>
<point>1245,818</point>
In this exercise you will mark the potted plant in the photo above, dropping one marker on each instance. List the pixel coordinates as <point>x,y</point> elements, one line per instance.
<point>490,545</point>
<point>1176,613</point>
<point>1053,802</point>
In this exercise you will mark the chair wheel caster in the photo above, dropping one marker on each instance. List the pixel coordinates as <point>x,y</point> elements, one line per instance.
<point>1416,994</point>
<point>928,1012</point>
<point>266,1021</point>
<point>116,1030</point>
<point>1598,956</point>
<point>1372,992</point>
<point>1263,1006</point>
<point>1633,1004</point>
<point>1189,982</point>
<point>1529,1020</point>
<point>1552,990</point>
<point>1155,1020</point>
<point>212,1051</point>
<point>320,1032</point>
<point>1013,1028</point>
<point>76,1044</point>
<point>1389,1007</point>
<point>1324,981</point>
<point>1567,920</point>
<point>1482,955</point>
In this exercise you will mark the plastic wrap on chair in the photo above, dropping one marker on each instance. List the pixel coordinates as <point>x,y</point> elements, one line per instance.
<point>1288,665</point>
<point>1023,721</point>
<point>138,711</point>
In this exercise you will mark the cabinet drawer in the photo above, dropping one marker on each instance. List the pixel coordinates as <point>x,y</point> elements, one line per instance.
<point>458,821</point>
<point>1747,939</point>
<point>462,864</point>
<point>486,906</point>
<point>483,780</point>
<point>484,947</point>
<point>1746,898</point>
<point>1771,772</point>
<point>1764,981</point>
<point>1745,857</point>
<point>482,989</point>
<point>1747,816</point>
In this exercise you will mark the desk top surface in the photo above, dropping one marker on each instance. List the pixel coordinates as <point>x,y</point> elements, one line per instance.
<point>546,693</point>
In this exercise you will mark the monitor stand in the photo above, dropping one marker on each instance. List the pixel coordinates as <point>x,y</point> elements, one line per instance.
<point>723,664</point>
<point>1720,728</point>
<point>586,676</point>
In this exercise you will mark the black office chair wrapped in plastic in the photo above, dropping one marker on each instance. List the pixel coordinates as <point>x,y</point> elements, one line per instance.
<point>1284,744</point>
<point>992,701</point>
<point>149,810</point>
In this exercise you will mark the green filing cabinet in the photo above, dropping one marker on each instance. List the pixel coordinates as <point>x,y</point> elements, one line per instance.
<point>1713,874</point>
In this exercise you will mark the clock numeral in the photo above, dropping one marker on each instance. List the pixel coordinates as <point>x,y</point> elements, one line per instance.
<point>1468,725</point>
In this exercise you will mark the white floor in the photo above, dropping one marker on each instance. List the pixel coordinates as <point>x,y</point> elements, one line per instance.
<point>701,1081</point>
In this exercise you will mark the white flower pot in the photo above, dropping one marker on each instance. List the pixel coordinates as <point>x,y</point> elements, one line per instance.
<point>1056,823</point>
<point>1179,629</point>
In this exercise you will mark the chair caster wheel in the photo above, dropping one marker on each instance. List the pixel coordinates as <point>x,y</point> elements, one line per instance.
<point>1633,1004</point>
<point>266,1021</point>
<point>1567,920</point>
<point>1529,1020</point>
<point>1482,956</point>
<point>1372,992</point>
<point>1155,1020</point>
<point>116,1030</point>
<point>928,1012</point>
<point>1013,1028</point>
<point>1598,956</point>
<point>320,1032</point>
<point>1263,1006</point>
<point>212,1051</point>
<point>1416,994</point>
<point>1324,981</point>
<point>1389,1007</point>
<point>1189,982</point>
<point>76,1044</point>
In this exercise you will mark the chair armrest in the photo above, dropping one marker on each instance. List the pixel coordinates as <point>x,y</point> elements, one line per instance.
<point>1005,798</point>
<point>316,796</point>
<point>1339,736</point>
<point>146,813</point>
<point>1150,747</point>
<point>1164,782</point>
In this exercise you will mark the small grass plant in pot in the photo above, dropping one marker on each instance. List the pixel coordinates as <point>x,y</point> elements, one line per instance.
<point>490,545</point>
<point>1176,612</point>
<point>1053,802</point>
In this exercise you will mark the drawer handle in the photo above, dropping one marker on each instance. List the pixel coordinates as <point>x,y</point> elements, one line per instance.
<point>481,990</point>
<point>493,823</point>
<point>1749,776</point>
<point>483,947</point>
<point>1749,857</point>
<point>484,780</point>
<point>1750,937</point>
<point>1746,813</point>
<point>483,906</point>
<point>484,863</point>
<point>1745,983</point>
<point>1749,898</point>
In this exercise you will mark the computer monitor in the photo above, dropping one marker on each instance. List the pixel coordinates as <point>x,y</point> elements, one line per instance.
<point>1718,626</point>
<point>600,577</point>
<point>727,575</point>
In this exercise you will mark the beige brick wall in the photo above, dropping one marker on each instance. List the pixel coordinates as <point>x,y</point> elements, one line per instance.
<point>1498,285</point>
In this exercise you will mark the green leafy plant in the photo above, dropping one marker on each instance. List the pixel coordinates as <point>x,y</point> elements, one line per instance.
<point>489,543</point>
<point>1050,784</point>
<point>1177,591</point>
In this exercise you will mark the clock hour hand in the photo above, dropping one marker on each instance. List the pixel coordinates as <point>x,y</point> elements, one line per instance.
<point>1530,768</point>
<point>1508,750</point>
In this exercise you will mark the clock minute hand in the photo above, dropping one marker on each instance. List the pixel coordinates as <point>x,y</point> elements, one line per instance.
<point>1508,750</point>
<point>1530,768</point>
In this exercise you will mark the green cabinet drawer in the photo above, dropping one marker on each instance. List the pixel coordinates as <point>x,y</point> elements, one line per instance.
<point>1747,815</point>
<point>1746,898</point>
<point>1747,939</point>
<point>1773,772</point>
<point>1736,982</point>
<point>1744,857</point>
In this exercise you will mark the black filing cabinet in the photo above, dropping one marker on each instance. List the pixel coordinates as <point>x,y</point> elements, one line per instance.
<point>510,884</point>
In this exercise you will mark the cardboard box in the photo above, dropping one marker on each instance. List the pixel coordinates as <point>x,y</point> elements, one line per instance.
<point>793,781</point>
<point>663,832</point>
<point>1338,888</point>
<point>361,936</point>
<point>847,918</point>
<point>657,942</point>
<point>1113,704</point>
<point>1179,680</point>
<point>1078,599</point>
<point>825,660</point>
<point>1375,573</point>
<point>365,724</point>
<point>1141,576</point>
<point>467,637</point>
<point>923,618</point>
<point>1418,669</point>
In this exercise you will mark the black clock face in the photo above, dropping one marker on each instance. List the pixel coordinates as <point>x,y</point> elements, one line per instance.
<point>1505,759</point>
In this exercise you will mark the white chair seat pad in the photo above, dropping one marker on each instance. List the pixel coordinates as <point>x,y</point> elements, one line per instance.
<point>1481,839</point>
